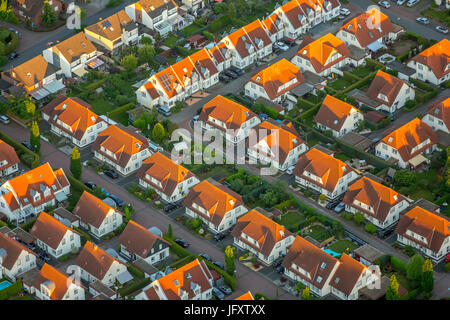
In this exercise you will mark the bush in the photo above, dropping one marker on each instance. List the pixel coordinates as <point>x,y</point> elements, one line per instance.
<point>412,294</point>
<point>135,271</point>
<point>358,218</point>
<point>28,225</point>
<point>64,258</point>
<point>447,267</point>
<point>220,23</point>
<point>116,113</point>
<point>208,35</point>
<point>370,228</point>
<point>398,264</point>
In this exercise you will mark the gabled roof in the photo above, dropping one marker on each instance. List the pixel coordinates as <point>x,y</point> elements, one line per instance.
<point>258,34</point>
<point>441,110</point>
<point>369,26</point>
<point>217,200</point>
<point>154,8</point>
<point>13,250</point>
<point>433,227</point>
<point>320,51</point>
<point>202,62</point>
<point>138,240</point>
<point>165,170</point>
<point>437,57</point>
<point>410,135</point>
<point>223,109</point>
<point>151,90</point>
<point>347,274</point>
<point>218,52</point>
<point>74,47</point>
<point>310,258</point>
<point>74,112</point>
<point>246,296</point>
<point>272,23</point>
<point>122,142</point>
<point>386,84</point>
<point>50,230</point>
<point>95,260</point>
<point>8,154</point>
<point>324,166</point>
<point>241,42</point>
<point>373,194</point>
<point>112,27</point>
<point>276,75</point>
<point>334,112</point>
<point>261,229</point>
<point>294,13</point>
<point>92,210</point>
<point>55,280</point>
<point>281,139</point>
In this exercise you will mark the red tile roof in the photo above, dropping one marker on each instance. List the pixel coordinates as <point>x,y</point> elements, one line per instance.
<point>441,110</point>
<point>57,281</point>
<point>437,57</point>
<point>334,112</point>
<point>13,250</point>
<point>385,84</point>
<point>7,154</point>
<point>347,274</point>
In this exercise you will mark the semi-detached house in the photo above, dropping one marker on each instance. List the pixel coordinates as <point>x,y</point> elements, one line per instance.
<point>438,115</point>
<point>15,258</point>
<point>9,161</point>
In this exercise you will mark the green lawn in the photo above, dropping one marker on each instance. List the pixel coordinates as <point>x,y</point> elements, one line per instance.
<point>341,246</point>
<point>291,219</point>
<point>342,156</point>
<point>191,30</point>
<point>170,41</point>
<point>101,106</point>
<point>361,72</point>
<point>340,84</point>
<point>423,188</point>
<point>317,232</point>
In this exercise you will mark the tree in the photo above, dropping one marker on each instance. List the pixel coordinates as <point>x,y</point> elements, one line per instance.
<point>370,228</point>
<point>404,178</point>
<point>127,212</point>
<point>35,138</point>
<point>146,53</point>
<point>48,16</point>
<point>414,268</point>
<point>427,281</point>
<point>237,185</point>
<point>158,133</point>
<point>230,265</point>
<point>322,197</point>
<point>130,62</point>
<point>4,6</point>
<point>305,294</point>
<point>146,40</point>
<point>358,218</point>
<point>75,163</point>
<point>392,289</point>
<point>30,107</point>
<point>170,232</point>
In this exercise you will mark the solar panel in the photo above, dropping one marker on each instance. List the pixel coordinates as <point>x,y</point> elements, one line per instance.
<point>106,24</point>
<point>165,82</point>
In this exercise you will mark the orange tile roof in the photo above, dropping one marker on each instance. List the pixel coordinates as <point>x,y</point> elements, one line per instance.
<point>50,230</point>
<point>7,154</point>
<point>165,170</point>
<point>256,32</point>
<point>37,180</point>
<point>272,23</point>
<point>202,62</point>
<point>155,7</point>
<point>57,281</point>
<point>433,227</point>
<point>112,27</point>
<point>334,112</point>
<point>441,110</point>
<point>387,85</point>
<point>277,75</point>
<point>218,52</point>
<point>74,112</point>
<point>369,26</point>
<point>324,166</point>
<point>217,200</point>
<point>411,134</point>
<point>260,228</point>
<point>437,57</point>
<point>13,250</point>
<point>223,109</point>
<point>293,10</point>
<point>151,90</point>
<point>246,296</point>
<point>72,48</point>
<point>92,210</point>
<point>347,274</point>
<point>241,42</point>
<point>169,81</point>
<point>122,142</point>
<point>320,51</point>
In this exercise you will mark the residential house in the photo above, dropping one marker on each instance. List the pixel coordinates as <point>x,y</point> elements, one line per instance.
<point>438,115</point>
<point>277,144</point>
<point>389,92</point>
<point>113,32</point>
<point>425,231</point>
<point>25,196</point>
<point>97,265</point>
<point>264,238</point>
<point>74,119</point>
<point>193,281</point>
<point>379,204</point>
<point>275,82</point>
<point>433,63</point>
<point>405,145</point>
<point>136,243</point>
<point>323,173</point>
<point>370,30</point>
<point>170,180</point>
<point>274,26</point>
<point>221,56</point>
<point>15,258</point>
<point>54,237</point>
<point>229,118</point>
<point>9,161</point>
<point>52,284</point>
<point>72,55</point>
<point>96,216</point>
<point>194,5</point>
<point>122,148</point>
<point>32,10</point>
<point>216,205</point>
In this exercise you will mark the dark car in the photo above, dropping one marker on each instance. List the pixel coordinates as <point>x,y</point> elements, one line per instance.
<point>280,269</point>
<point>13,55</point>
<point>385,233</point>
<point>117,200</point>
<point>170,207</point>
<point>44,256</point>
<point>226,290</point>
<point>231,74</point>
<point>219,264</point>
<point>331,205</point>
<point>31,246</point>
<point>224,78</point>
<point>236,70</point>
<point>182,242</point>
<point>111,173</point>
<point>275,49</point>
<point>289,41</point>
<point>205,256</point>
<point>219,236</point>
<point>27,145</point>
<point>90,184</point>
<point>219,294</point>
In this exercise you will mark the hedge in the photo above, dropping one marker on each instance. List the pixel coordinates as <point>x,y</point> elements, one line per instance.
<point>20,150</point>
<point>12,290</point>
<point>229,280</point>
<point>28,225</point>
<point>260,295</point>
<point>381,261</point>
<point>361,83</point>
<point>116,113</point>
<point>447,267</point>
<point>176,248</point>
<point>398,264</point>
<point>350,77</point>
<point>135,271</point>
<point>183,261</point>
<point>134,287</point>
<point>353,151</point>
<point>310,112</point>
<point>219,23</point>
<point>83,234</point>
<point>412,294</point>
<point>77,184</point>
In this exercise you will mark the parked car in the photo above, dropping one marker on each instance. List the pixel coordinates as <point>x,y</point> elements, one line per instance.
<point>339,208</point>
<point>442,29</point>
<point>276,50</point>
<point>117,200</point>
<point>219,294</point>
<point>282,46</point>
<point>170,207</point>
<point>44,256</point>
<point>230,74</point>
<point>219,236</point>
<point>423,20</point>
<point>182,242</point>
<point>90,184</point>
<point>410,3</point>
<point>4,119</point>
<point>224,78</point>
<point>27,145</point>
<point>165,111</point>
<point>344,11</point>
<point>289,41</point>
<point>111,173</point>
<point>13,55</point>
<point>226,290</point>
<point>219,264</point>
<point>290,170</point>
<point>331,205</point>
<point>401,2</point>
<point>205,256</point>
<point>384,4</point>
<point>263,116</point>
<point>279,269</point>
<point>236,70</point>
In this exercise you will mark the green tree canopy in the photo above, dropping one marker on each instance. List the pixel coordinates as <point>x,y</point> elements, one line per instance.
<point>130,62</point>
<point>305,294</point>
<point>146,53</point>
<point>427,281</point>
<point>75,163</point>
<point>48,16</point>
<point>414,267</point>
<point>158,133</point>
<point>392,289</point>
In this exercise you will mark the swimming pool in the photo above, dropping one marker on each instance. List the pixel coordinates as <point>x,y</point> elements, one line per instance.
<point>331,252</point>
<point>5,284</point>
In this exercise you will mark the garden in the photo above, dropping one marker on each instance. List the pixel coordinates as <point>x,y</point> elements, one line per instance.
<point>343,246</point>
<point>8,43</point>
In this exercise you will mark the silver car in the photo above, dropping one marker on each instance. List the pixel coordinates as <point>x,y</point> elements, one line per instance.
<point>423,20</point>
<point>442,29</point>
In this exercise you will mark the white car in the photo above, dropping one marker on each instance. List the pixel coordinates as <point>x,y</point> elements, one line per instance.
<point>410,3</point>
<point>384,4</point>
<point>423,20</point>
<point>282,46</point>
<point>401,2</point>
<point>442,29</point>
<point>344,11</point>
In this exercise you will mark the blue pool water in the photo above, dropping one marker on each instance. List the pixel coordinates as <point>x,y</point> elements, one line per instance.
<point>331,252</point>
<point>5,284</point>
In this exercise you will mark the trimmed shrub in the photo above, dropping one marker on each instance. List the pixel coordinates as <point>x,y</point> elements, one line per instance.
<point>135,271</point>
<point>398,264</point>
<point>116,113</point>
<point>370,228</point>
<point>412,294</point>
